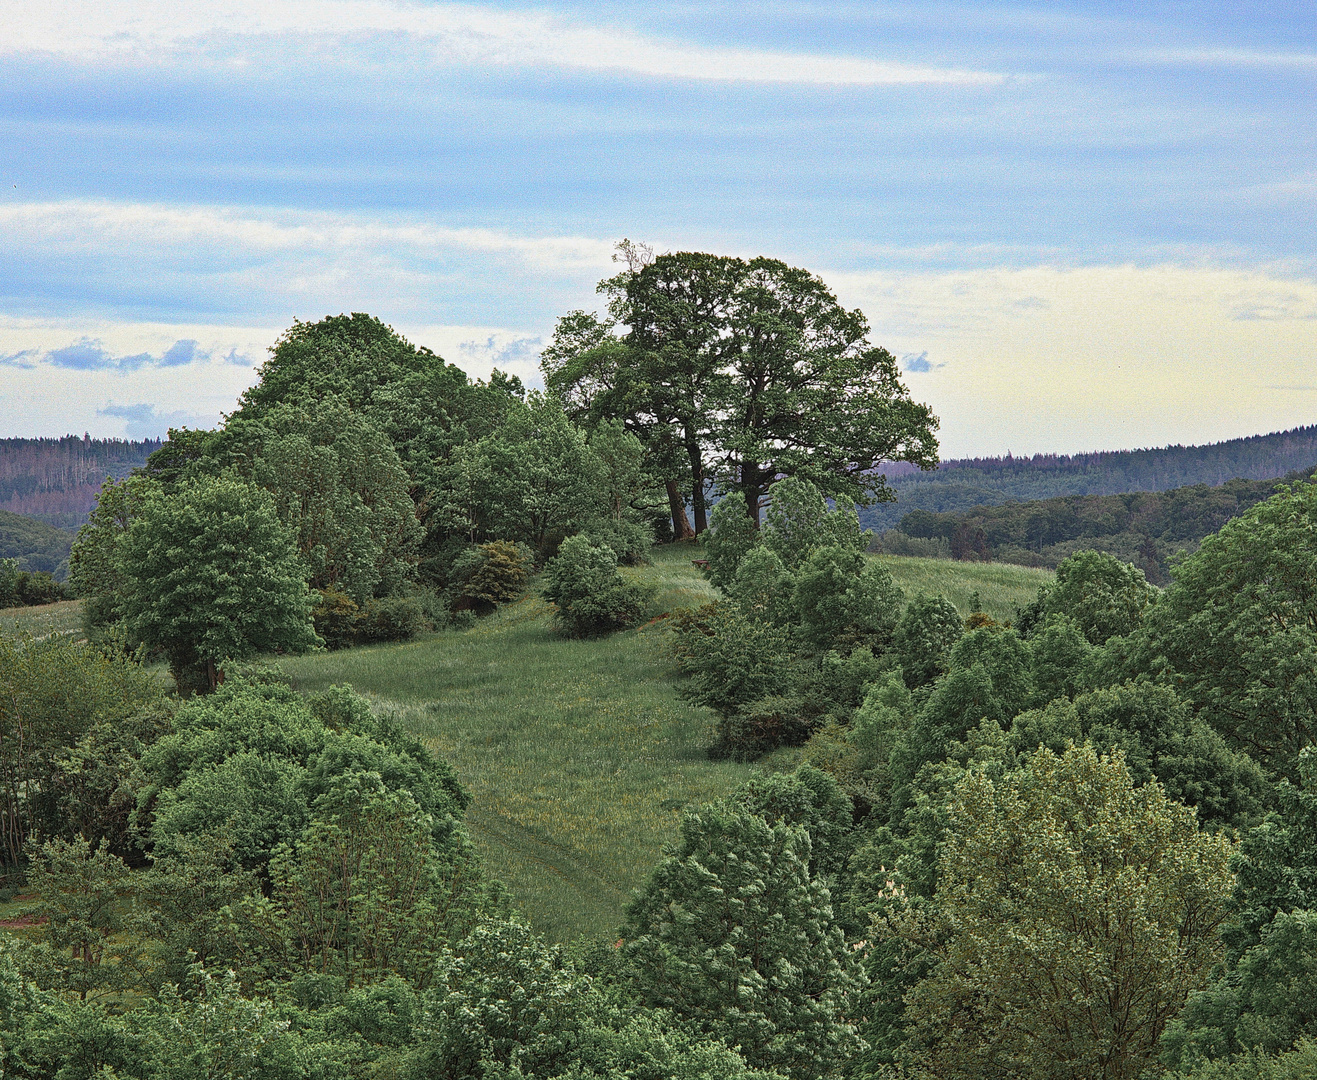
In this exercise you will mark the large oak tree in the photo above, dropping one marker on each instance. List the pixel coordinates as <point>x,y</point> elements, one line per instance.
<point>744,372</point>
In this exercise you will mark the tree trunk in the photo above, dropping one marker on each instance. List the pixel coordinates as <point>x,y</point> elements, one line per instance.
<point>697,486</point>
<point>681,526</point>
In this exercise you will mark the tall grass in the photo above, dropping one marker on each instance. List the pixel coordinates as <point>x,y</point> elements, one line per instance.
<point>61,617</point>
<point>579,755</point>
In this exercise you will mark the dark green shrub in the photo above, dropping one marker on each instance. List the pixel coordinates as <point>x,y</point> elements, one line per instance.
<point>730,537</point>
<point>631,540</point>
<point>491,574</point>
<point>24,588</point>
<point>335,618</point>
<point>591,597</point>
<point>924,636</point>
<point>393,618</point>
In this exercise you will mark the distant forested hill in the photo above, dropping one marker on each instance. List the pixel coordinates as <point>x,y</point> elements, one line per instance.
<point>1146,528</point>
<point>970,482</point>
<point>34,544</point>
<point>56,480</point>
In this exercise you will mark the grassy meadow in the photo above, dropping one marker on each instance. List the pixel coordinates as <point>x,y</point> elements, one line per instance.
<point>579,755</point>
<point>44,619</point>
<point>1002,587</point>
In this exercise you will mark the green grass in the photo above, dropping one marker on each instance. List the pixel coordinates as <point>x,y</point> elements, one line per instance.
<point>579,755</point>
<point>43,619</point>
<point>1001,586</point>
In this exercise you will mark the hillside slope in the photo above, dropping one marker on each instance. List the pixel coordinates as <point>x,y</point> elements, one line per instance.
<point>1146,528</point>
<point>57,480</point>
<point>579,755</point>
<point>36,545</point>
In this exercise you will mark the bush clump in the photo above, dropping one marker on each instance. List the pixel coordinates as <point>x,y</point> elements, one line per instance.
<point>27,588</point>
<point>491,574</point>
<point>591,596</point>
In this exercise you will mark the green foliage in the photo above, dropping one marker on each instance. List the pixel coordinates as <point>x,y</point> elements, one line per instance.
<point>1105,597</point>
<point>1298,1064</point>
<point>590,595</point>
<point>363,892</point>
<point>211,575</point>
<point>509,1006</point>
<point>35,547</point>
<point>734,936</point>
<point>96,569</point>
<point>24,588</point>
<point>494,573</point>
<point>811,799</point>
<point>391,618</point>
<point>1239,629</point>
<point>71,723</point>
<point>924,635</point>
<point>334,618</point>
<point>534,479</point>
<point>762,586</point>
<point>731,536</point>
<point>842,598</point>
<point>1267,1003</point>
<point>340,488</point>
<point>1062,663</point>
<point>1074,914</point>
<point>80,946</point>
<point>798,521</point>
<point>732,660</point>
<point>1277,863</point>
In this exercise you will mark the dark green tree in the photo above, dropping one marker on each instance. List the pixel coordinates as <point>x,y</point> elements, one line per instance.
<point>1105,596</point>
<point>924,635</point>
<point>590,595</point>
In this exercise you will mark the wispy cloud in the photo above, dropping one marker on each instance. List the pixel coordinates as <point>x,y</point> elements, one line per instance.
<point>449,33</point>
<point>1217,57</point>
<point>78,226</point>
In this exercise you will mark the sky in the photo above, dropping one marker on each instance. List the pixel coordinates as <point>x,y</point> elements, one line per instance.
<point>1079,226</point>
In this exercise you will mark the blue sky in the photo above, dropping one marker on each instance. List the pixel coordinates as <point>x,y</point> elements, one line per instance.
<point>1083,226</point>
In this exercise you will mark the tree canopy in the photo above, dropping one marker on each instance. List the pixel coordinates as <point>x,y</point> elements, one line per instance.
<point>742,373</point>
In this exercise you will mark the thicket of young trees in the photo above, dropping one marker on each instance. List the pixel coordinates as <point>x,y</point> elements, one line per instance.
<point>1079,846</point>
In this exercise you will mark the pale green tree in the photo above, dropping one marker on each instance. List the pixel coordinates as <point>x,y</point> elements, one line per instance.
<point>1074,914</point>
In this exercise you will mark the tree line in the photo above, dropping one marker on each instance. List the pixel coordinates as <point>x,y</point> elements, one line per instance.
<point>962,484</point>
<point>356,491</point>
<point>56,480</point>
<point>1147,528</point>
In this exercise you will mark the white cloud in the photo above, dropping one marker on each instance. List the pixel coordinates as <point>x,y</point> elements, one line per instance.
<point>1217,57</point>
<point>80,226</point>
<point>451,33</point>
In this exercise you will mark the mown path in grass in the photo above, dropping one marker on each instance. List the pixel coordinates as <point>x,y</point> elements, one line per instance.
<point>579,755</point>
